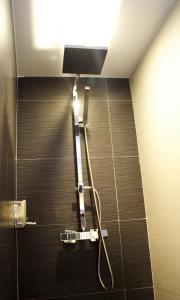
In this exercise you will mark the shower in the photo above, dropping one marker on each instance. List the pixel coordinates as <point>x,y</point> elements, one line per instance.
<point>85,60</point>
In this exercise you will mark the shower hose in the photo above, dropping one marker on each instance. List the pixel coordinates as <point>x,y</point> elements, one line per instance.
<point>97,202</point>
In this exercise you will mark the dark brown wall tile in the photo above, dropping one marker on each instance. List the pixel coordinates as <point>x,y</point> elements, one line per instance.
<point>49,188</point>
<point>98,131</point>
<point>113,245</point>
<point>98,117</point>
<point>118,89</point>
<point>37,174</point>
<point>140,294</point>
<point>136,258</point>
<point>128,172</point>
<point>46,88</point>
<point>45,129</point>
<point>8,264</point>
<point>99,144</point>
<point>4,138</point>
<point>124,142</point>
<point>131,203</point>
<point>103,176</point>
<point>129,188</point>
<point>121,114</point>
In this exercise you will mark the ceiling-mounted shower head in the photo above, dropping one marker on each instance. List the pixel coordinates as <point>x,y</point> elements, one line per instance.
<point>83,60</point>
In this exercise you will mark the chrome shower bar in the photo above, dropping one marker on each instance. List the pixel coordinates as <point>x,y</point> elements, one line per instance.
<point>80,185</point>
<point>86,104</point>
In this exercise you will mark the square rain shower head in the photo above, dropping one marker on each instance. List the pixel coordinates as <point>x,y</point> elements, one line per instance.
<point>83,60</point>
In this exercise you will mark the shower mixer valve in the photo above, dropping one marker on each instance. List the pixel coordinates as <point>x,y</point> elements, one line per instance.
<point>71,236</point>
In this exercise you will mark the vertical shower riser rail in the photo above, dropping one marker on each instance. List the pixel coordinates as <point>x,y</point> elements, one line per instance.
<point>80,185</point>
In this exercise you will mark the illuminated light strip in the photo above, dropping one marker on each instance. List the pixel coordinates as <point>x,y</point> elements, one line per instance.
<point>80,22</point>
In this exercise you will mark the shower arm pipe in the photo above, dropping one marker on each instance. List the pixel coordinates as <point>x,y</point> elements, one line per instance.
<point>77,125</point>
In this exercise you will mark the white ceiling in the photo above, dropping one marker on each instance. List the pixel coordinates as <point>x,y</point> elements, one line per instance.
<point>136,25</point>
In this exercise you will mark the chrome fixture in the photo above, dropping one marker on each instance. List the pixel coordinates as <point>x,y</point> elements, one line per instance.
<point>77,125</point>
<point>86,104</point>
<point>21,219</point>
<point>74,63</point>
<point>70,236</point>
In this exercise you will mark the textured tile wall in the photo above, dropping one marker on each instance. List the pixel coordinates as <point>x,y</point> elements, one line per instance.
<point>46,179</point>
<point>8,261</point>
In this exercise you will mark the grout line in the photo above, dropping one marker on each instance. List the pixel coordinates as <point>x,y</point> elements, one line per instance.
<point>110,221</point>
<point>61,99</point>
<point>16,120</point>
<point>75,295</point>
<point>65,222</point>
<point>141,288</point>
<point>71,157</point>
<point>126,156</point>
<point>137,219</point>
<point>88,294</point>
<point>45,158</point>
<point>120,100</point>
<point>115,182</point>
<point>38,100</point>
<point>57,100</point>
<point>72,76</point>
<point>104,222</point>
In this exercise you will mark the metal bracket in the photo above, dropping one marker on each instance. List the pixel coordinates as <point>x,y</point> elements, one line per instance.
<point>20,214</point>
<point>71,237</point>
